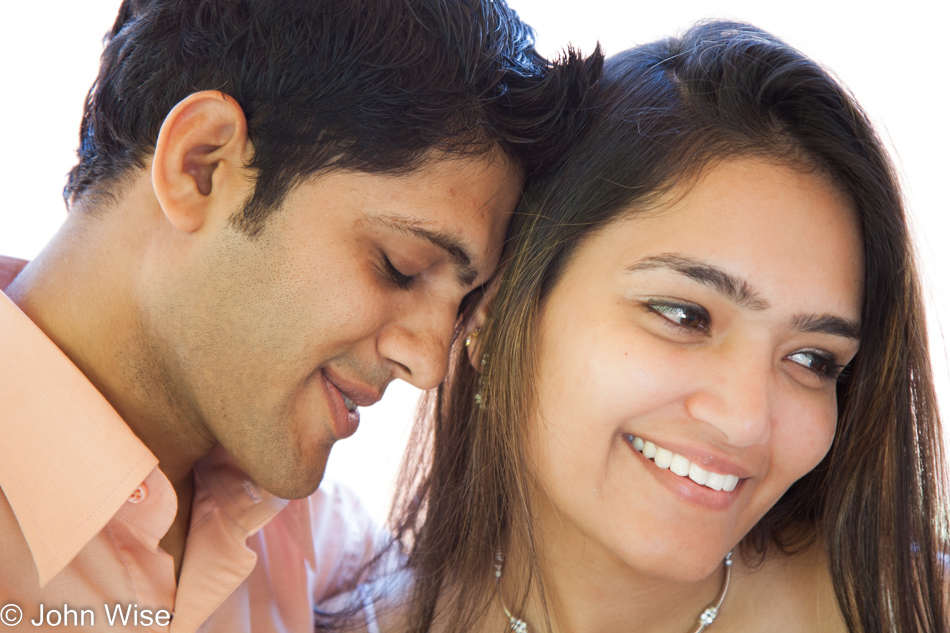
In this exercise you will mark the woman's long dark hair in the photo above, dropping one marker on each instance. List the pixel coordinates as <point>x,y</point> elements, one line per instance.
<point>668,111</point>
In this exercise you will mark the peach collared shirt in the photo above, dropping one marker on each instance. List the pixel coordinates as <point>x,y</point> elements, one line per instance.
<point>83,506</point>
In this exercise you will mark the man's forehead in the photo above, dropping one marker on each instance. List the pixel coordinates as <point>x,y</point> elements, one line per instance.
<point>491,171</point>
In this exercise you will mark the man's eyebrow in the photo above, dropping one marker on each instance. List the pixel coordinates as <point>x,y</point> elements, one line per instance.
<point>735,289</point>
<point>464,270</point>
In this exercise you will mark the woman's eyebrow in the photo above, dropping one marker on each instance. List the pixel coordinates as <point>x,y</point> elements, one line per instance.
<point>740,292</point>
<point>464,270</point>
<point>734,288</point>
<point>827,324</point>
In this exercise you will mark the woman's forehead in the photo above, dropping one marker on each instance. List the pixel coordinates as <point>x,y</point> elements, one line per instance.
<point>776,228</point>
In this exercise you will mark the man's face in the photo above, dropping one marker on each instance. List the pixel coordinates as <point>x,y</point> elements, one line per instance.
<point>268,342</point>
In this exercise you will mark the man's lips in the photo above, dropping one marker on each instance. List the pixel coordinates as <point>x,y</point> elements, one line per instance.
<point>344,415</point>
<point>360,394</point>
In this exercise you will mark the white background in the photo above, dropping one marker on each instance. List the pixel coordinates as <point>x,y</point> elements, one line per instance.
<point>892,56</point>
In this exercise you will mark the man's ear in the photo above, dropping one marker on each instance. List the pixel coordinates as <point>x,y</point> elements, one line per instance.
<point>199,161</point>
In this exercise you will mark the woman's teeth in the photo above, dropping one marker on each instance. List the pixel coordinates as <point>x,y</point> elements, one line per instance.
<point>682,466</point>
<point>350,405</point>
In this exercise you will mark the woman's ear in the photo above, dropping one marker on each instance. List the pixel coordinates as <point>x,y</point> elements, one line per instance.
<point>473,327</point>
<point>198,167</point>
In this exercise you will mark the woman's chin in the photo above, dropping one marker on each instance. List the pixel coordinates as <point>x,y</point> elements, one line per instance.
<point>682,565</point>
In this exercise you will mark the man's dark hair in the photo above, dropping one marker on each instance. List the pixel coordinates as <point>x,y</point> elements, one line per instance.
<point>370,85</point>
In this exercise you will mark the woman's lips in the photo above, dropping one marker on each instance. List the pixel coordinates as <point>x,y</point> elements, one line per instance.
<point>681,466</point>
<point>687,481</point>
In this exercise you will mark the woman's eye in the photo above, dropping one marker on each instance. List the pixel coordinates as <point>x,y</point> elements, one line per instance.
<point>682,316</point>
<point>401,280</point>
<point>820,363</point>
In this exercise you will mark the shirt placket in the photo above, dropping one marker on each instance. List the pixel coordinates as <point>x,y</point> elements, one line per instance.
<point>136,531</point>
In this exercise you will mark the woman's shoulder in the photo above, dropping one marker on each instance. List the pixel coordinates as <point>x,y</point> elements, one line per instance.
<point>785,593</point>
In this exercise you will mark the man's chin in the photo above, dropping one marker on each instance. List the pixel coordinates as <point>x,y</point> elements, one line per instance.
<point>295,482</point>
<point>295,490</point>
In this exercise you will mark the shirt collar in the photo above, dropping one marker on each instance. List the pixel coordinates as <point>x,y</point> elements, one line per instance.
<point>67,460</point>
<point>10,267</point>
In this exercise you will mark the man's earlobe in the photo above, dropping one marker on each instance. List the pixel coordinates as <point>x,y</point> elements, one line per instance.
<point>199,163</point>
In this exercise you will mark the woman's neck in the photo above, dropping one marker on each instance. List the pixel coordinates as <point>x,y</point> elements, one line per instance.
<point>596,592</point>
<point>590,590</point>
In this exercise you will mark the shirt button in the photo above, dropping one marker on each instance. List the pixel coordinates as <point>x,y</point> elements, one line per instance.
<point>139,495</point>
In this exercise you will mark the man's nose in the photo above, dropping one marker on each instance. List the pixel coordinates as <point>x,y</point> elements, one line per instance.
<point>418,343</point>
<point>734,395</point>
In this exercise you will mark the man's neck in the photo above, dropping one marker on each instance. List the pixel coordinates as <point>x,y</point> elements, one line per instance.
<point>81,291</point>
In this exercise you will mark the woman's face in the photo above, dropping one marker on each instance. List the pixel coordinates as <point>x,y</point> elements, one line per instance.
<point>713,330</point>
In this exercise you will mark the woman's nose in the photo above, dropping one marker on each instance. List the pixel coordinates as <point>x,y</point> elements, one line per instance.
<point>734,396</point>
